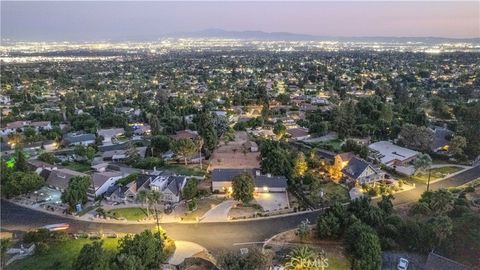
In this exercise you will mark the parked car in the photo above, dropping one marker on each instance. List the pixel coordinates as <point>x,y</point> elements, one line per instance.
<point>402,264</point>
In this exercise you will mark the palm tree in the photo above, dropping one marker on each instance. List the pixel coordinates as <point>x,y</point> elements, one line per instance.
<point>142,197</point>
<point>4,245</point>
<point>304,258</point>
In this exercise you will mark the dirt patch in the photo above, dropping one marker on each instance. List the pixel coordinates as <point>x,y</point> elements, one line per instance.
<point>234,154</point>
<point>241,211</point>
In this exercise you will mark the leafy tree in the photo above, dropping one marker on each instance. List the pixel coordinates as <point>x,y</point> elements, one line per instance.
<point>344,120</point>
<point>422,162</point>
<point>129,262</point>
<point>363,247</point>
<point>190,190</point>
<point>4,246</point>
<point>457,145</point>
<point>279,129</point>
<point>80,150</point>
<point>92,257</point>
<point>442,228</point>
<point>90,152</point>
<point>439,202</point>
<point>300,165</point>
<point>416,137</point>
<point>255,259</point>
<point>48,158</point>
<point>76,191</point>
<point>160,144</point>
<point>469,127</point>
<point>243,187</point>
<point>18,183</point>
<point>20,161</point>
<point>148,246</point>
<point>353,146</point>
<point>275,159</point>
<point>155,125</point>
<point>332,223</point>
<point>132,154</point>
<point>386,204</point>
<point>206,129</point>
<point>362,209</point>
<point>185,148</point>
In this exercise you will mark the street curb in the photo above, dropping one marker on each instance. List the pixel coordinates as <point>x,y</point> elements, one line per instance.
<point>153,222</point>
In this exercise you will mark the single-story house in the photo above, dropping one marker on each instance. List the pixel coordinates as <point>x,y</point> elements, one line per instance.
<point>109,134</point>
<point>222,180</point>
<point>78,138</point>
<point>185,134</point>
<point>392,155</point>
<point>60,177</point>
<point>298,133</point>
<point>359,170</point>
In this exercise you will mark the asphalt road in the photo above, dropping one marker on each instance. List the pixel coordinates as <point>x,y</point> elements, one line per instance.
<point>213,236</point>
<point>453,181</point>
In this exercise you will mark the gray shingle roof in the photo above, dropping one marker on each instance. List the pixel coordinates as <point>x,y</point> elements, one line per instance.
<point>437,262</point>
<point>75,138</point>
<point>355,167</point>
<point>219,175</point>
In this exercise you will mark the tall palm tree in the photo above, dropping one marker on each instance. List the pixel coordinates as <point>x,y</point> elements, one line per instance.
<point>142,197</point>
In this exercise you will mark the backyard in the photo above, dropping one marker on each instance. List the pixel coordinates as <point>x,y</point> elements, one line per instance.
<point>78,166</point>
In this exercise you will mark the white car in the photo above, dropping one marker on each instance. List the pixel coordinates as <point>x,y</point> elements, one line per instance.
<point>402,264</point>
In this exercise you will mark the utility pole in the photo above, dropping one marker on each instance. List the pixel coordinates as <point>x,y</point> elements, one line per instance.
<point>428,182</point>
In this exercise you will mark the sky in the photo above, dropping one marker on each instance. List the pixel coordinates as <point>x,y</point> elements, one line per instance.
<point>94,20</point>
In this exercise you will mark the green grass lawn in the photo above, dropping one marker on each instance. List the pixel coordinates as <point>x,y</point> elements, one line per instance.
<point>332,145</point>
<point>203,206</point>
<point>78,166</point>
<point>436,173</point>
<point>128,213</point>
<point>332,192</point>
<point>60,255</point>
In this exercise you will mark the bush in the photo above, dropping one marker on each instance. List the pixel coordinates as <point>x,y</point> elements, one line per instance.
<point>149,163</point>
<point>41,248</point>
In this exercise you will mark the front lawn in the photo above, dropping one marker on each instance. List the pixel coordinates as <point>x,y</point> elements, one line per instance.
<point>332,192</point>
<point>60,255</point>
<point>436,173</point>
<point>203,205</point>
<point>133,213</point>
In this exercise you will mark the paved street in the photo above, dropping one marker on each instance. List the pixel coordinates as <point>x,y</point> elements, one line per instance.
<point>213,236</point>
<point>453,181</point>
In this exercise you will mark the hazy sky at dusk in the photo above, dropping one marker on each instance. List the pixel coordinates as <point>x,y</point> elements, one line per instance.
<point>113,20</point>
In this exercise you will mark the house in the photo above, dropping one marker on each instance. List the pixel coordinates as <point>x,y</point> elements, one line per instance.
<point>185,134</point>
<point>141,129</point>
<point>109,134</point>
<point>360,171</point>
<point>129,192</point>
<point>437,262</point>
<point>19,126</point>
<point>60,177</point>
<point>74,138</point>
<point>440,140</point>
<point>222,180</point>
<point>169,186</point>
<point>101,181</point>
<point>392,155</point>
<point>120,155</point>
<point>342,159</point>
<point>299,133</point>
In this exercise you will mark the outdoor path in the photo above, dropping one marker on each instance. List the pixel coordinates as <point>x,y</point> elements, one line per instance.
<point>183,250</point>
<point>219,213</point>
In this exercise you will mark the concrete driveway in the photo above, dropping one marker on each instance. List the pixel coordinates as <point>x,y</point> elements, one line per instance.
<point>219,213</point>
<point>183,250</point>
<point>272,201</point>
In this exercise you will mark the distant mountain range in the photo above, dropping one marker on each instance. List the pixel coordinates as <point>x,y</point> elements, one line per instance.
<point>260,35</point>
